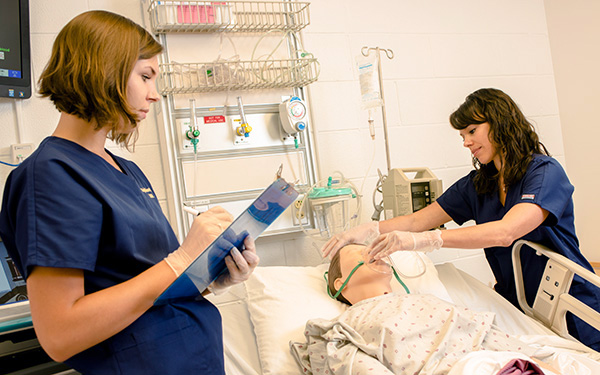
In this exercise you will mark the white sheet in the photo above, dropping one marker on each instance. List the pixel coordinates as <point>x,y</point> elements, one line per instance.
<point>468,291</point>
<point>241,353</point>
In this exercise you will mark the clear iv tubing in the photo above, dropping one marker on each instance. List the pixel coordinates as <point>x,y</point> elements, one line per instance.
<point>371,125</point>
<point>302,51</point>
<point>369,169</point>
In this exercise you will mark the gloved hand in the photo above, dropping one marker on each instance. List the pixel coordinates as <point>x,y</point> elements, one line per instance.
<point>240,267</point>
<point>390,242</point>
<point>361,234</point>
<point>205,229</point>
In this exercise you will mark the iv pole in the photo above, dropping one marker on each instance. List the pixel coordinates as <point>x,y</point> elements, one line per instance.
<point>390,55</point>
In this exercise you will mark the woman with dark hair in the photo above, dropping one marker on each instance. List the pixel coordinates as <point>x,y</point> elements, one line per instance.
<point>86,230</point>
<point>517,191</point>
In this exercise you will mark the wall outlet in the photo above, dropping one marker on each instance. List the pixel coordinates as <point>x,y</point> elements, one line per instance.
<point>20,151</point>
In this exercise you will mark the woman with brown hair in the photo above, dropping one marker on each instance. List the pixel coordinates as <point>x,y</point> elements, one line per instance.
<point>517,191</point>
<point>85,227</point>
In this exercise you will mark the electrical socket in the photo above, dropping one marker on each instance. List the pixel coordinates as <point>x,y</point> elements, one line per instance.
<point>20,151</point>
<point>300,209</point>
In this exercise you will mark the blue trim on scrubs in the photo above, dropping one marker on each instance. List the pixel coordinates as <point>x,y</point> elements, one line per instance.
<point>546,184</point>
<point>65,206</point>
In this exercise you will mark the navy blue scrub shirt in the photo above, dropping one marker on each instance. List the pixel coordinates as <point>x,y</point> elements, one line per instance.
<point>65,206</point>
<point>546,184</point>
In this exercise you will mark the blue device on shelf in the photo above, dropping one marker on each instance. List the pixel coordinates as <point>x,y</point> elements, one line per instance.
<point>252,222</point>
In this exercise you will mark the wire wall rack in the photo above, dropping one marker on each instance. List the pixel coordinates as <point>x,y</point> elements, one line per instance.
<point>176,78</point>
<point>230,16</point>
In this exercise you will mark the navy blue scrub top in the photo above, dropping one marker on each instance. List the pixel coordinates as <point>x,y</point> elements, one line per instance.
<point>65,206</point>
<point>546,184</point>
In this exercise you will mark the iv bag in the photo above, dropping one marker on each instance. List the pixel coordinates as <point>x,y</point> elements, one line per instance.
<point>368,75</point>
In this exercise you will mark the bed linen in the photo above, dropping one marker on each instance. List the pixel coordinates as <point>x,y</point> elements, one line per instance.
<point>247,354</point>
<point>407,334</point>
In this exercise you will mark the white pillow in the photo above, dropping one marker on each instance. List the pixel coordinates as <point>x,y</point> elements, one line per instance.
<point>282,299</point>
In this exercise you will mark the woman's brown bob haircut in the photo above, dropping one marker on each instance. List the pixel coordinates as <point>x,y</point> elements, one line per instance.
<point>92,59</point>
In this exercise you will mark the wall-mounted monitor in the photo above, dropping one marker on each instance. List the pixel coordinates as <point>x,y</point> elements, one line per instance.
<point>15,60</point>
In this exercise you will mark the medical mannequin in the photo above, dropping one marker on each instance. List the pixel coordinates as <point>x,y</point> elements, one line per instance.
<point>405,333</point>
<point>515,192</point>
<point>85,227</point>
<point>364,283</point>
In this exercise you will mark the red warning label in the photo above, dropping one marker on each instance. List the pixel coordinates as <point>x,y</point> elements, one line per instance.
<point>214,119</point>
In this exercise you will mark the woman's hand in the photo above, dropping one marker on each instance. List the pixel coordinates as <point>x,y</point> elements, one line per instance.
<point>360,235</point>
<point>394,241</point>
<point>240,266</point>
<point>205,229</point>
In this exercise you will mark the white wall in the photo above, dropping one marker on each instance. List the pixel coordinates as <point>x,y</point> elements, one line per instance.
<point>574,33</point>
<point>443,51</point>
<point>36,118</point>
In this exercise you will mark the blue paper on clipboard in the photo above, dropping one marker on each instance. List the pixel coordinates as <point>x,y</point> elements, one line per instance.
<point>252,222</point>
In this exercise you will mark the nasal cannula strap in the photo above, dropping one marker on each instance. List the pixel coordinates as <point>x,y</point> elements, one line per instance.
<point>360,263</point>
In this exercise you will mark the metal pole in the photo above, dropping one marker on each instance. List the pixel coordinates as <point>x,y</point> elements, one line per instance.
<point>390,55</point>
<point>383,114</point>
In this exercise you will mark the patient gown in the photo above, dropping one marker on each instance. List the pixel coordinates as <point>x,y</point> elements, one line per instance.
<point>399,334</point>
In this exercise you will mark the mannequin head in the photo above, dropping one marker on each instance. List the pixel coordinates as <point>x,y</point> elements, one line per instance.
<point>364,282</point>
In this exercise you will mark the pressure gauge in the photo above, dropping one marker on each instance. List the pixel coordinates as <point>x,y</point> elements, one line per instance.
<point>297,110</point>
<point>293,114</point>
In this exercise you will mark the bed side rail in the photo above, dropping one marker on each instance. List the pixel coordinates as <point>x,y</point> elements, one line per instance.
<point>552,301</point>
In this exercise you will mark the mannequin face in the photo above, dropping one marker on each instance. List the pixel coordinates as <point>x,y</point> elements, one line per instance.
<point>365,282</point>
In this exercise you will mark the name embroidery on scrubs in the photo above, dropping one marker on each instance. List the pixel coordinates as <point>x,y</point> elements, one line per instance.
<point>528,196</point>
<point>147,191</point>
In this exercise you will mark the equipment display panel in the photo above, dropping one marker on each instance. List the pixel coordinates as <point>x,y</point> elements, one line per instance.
<point>12,285</point>
<point>15,59</point>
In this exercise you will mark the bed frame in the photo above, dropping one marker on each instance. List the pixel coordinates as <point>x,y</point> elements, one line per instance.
<point>552,301</point>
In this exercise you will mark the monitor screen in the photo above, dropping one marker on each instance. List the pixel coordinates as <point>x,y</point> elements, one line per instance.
<point>12,285</point>
<point>15,72</point>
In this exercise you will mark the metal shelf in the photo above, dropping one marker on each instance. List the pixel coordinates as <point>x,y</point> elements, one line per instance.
<point>294,69</point>
<point>178,78</point>
<point>230,16</point>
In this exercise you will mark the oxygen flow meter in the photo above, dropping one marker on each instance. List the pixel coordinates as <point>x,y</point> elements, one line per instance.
<point>293,113</point>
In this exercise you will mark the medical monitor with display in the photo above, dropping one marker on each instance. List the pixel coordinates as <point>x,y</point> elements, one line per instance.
<point>15,71</point>
<point>12,284</point>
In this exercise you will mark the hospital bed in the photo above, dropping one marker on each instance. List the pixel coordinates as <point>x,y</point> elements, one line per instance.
<point>262,316</point>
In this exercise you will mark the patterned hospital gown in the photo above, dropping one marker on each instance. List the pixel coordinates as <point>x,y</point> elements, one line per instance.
<point>399,334</point>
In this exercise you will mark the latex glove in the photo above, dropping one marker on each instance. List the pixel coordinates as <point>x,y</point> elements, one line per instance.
<point>361,234</point>
<point>394,241</point>
<point>239,266</point>
<point>204,230</point>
